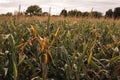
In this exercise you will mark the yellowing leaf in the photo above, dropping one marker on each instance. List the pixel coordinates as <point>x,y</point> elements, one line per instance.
<point>91,52</point>
<point>47,58</point>
<point>22,46</point>
<point>52,42</point>
<point>44,44</point>
<point>33,31</point>
<point>56,33</point>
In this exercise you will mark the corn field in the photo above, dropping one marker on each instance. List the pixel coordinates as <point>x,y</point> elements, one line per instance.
<point>60,50</point>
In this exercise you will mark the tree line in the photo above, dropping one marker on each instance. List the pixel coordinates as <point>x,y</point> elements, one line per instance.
<point>113,14</point>
<point>76,13</point>
<point>35,10</point>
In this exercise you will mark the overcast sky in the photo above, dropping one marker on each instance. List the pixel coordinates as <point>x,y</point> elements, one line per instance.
<point>58,5</point>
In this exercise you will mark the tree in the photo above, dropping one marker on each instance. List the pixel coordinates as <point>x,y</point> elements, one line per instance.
<point>96,14</point>
<point>34,10</point>
<point>8,14</point>
<point>71,13</point>
<point>63,13</point>
<point>78,14</point>
<point>109,13</point>
<point>117,13</point>
<point>85,14</point>
<point>75,13</point>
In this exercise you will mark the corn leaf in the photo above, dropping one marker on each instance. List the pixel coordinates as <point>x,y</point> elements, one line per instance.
<point>91,52</point>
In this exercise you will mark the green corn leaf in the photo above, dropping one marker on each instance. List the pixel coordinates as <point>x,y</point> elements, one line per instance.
<point>11,42</point>
<point>115,59</point>
<point>15,70</point>
<point>22,59</point>
<point>94,65</point>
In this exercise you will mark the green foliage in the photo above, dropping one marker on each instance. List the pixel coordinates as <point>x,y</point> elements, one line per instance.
<point>63,13</point>
<point>34,10</point>
<point>60,50</point>
<point>85,14</point>
<point>117,12</point>
<point>74,13</point>
<point>96,14</point>
<point>109,13</point>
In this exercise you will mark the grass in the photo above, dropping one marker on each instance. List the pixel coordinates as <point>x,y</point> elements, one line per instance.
<point>59,48</point>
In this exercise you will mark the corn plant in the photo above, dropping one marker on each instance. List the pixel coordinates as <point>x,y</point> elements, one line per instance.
<point>60,50</point>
